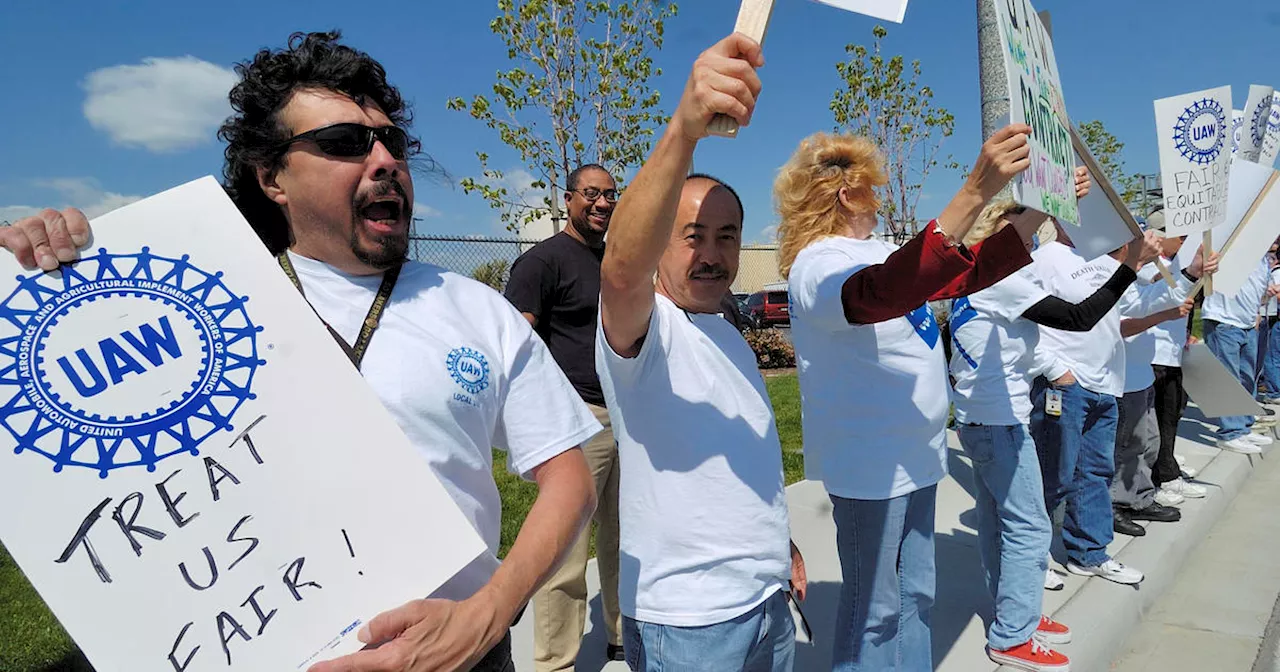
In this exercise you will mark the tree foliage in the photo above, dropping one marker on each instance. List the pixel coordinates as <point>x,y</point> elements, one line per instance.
<point>1106,149</point>
<point>883,100</point>
<point>578,92</point>
<point>494,273</point>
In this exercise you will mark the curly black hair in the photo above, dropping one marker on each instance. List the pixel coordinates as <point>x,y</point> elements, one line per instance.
<point>255,132</point>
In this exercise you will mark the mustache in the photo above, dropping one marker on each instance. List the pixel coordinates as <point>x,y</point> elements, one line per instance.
<point>382,189</point>
<point>709,272</point>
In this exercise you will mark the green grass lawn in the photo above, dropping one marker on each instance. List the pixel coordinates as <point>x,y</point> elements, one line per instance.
<point>31,640</point>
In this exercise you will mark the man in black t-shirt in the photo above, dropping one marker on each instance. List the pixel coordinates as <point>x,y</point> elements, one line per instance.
<point>556,285</point>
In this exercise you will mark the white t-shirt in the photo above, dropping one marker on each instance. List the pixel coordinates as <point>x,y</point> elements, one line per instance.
<point>875,396</point>
<point>1142,349</point>
<point>1170,336</point>
<point>1271,308</point>
<point>1096,357</point>
<point>702,511</point>
<point>1240,309</point>
<point>992,353</point>
<point>461,372</point>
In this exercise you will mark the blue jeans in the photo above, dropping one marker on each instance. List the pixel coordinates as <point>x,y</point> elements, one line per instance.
<point>761,640</point>
<point>1271,359</point>
<point>1077,462</point>
<point>886,560</point>
<point>1014,531</point>
<point>1237,349</point>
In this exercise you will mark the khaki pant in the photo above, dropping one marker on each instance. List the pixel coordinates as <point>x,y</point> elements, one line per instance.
<point>560,605</point>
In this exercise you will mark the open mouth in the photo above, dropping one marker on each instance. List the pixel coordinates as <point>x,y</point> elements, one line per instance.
<point>384,213</point>
<point>598,217</point>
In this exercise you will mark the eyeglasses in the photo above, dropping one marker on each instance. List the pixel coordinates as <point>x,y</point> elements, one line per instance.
<point>350,140</point>
<point>591,194</point>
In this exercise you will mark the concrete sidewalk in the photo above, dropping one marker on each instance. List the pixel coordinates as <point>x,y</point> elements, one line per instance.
<point>1102,614</point>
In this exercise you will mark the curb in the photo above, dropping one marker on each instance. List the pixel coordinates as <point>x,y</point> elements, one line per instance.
<point>1105,614</point>
<point>1268,659</point>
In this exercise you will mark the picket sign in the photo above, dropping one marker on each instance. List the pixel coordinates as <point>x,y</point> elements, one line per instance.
<point>1268,197</point>
<point>753,21</point>
<point>192,473</point>
<point>1101,182</point>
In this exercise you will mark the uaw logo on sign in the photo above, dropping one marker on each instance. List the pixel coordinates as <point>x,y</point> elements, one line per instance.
<point>123,360</point>
<point>1258,124</point>
<point>1200,133</point>
<point>470,370</point>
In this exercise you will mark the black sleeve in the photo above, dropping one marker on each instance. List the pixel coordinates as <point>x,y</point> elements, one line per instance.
<point>1058,314</point>
<point>531,285</point>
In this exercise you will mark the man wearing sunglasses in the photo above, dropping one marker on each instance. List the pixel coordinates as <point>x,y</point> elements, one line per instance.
<point>317,161</point>
<point>556,286</point>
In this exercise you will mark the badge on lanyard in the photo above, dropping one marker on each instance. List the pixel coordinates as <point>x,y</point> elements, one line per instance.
<point>1053,402</point>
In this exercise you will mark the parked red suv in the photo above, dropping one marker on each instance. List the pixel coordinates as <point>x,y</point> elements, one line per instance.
<point>769,308</point>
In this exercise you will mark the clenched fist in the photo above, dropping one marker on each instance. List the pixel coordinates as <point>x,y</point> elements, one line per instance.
<point>723,81</point>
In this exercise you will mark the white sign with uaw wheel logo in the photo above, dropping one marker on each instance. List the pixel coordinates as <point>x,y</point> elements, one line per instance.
<point>192,473</point>
<point>1194,137</point>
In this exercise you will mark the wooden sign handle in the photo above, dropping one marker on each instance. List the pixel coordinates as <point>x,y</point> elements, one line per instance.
<point>1100,179</point>
<point>1206,245</point>
<point>753,21</point>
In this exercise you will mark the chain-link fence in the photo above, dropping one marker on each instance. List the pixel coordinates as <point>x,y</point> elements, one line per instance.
<point>489,259</point>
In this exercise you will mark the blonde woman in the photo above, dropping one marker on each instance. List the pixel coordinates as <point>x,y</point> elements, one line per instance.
<point>873,377</point>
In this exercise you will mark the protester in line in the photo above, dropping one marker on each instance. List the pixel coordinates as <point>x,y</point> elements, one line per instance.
<point>1135,495</point>
<point>317,160</point>
<point>1170,399</point>
<point>705,552</point>
<point>873,379</point>
<point>556,286</point>
<point>1074,415</point>
<point>995,335</point>
<point>1230,330</point>
<point>1269,335</point>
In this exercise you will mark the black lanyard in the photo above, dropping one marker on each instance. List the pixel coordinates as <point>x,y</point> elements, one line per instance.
<point>356,352</point>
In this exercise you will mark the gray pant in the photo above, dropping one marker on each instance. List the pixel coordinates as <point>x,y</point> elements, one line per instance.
<point>1137,449</point>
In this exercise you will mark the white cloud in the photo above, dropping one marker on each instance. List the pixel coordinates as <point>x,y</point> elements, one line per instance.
<point>517,183</point>
<point>70,192</point>
<point>163,104</point>
<point>423,211</point>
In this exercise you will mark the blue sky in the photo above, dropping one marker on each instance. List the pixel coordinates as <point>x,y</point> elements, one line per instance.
<point>1115,58</point>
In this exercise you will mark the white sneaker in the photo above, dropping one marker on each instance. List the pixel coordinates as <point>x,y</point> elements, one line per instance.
<point>1169,498</point>
<point>1182,487</point>
<point>1109,570</point>
<point>1259,439</point>
<point>1240,444</point>
<point>1052,581</point>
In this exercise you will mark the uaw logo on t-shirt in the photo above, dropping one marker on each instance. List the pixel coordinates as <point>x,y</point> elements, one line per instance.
<point>470,370</point>
<point>123,360</point>
<point>1201,130</point>
<point>925,325</point>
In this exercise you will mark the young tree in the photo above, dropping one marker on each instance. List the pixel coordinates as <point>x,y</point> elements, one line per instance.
<point>578,92</point>
<point>1106,149</point>
<point>882,99</point>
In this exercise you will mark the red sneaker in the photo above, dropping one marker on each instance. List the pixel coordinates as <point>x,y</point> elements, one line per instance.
<point>1052,632</point>
<point>1031,656</point>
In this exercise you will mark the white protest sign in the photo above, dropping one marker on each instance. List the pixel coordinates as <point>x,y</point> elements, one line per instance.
<point>1035,98</point>
<point>889,10</point>
<point>1257,110</point>
<point>1245,242</point>
<point>1102,229</point>
<point>1217,391</point>
<point>1271,141</point>
<point>192,473</point>
<point>1195,159</point>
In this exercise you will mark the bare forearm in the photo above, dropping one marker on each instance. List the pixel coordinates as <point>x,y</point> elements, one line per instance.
<point>1138,325</point>
<point>638,234</point>
<point>962,212</point>
<point>565,502</point>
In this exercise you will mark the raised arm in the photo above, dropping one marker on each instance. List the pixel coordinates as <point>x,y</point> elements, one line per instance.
<point>723,81</point>
<point>1140,324</point>
<point>934,259</point>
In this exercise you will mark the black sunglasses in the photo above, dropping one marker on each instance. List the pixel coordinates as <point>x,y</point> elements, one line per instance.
<point>348,140</point>
<point>591,194</point>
